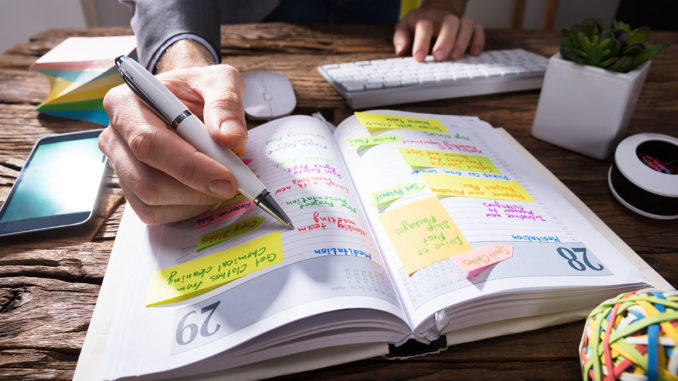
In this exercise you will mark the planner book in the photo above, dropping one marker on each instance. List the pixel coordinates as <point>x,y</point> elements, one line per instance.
<point>409,228</point>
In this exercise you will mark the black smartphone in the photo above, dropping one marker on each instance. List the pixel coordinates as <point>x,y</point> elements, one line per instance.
<point>58,187</point>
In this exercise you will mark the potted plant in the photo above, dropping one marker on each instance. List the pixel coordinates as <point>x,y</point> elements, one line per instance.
<point>591,86</point>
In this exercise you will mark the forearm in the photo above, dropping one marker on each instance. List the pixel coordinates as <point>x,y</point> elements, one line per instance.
<point>183,54</point>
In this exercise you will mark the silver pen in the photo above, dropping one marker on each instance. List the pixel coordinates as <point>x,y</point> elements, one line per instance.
<point>152,92</point>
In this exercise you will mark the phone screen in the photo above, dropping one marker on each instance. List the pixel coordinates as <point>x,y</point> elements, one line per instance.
<point>58,186</point>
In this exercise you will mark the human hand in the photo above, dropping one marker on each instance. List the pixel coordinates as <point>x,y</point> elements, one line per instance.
<point>164,178</point>
<point>454,35</point>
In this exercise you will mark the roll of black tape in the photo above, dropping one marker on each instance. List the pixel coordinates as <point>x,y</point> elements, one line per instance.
<point>644,175</point>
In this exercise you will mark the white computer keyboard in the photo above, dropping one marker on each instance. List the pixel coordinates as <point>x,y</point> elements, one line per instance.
<point>404,80</point>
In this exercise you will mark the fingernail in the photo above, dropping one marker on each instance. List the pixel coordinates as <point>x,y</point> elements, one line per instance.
<point>399,48</point>
<point>221,188</point>
<point>231,127</point>
<point>457,53</point>
<point>419,55</point>
<point>438,55</point>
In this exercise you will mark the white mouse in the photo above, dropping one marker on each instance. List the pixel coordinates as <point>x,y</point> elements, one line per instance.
<point>268,95</point>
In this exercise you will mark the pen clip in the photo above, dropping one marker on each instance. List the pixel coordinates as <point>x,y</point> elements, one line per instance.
<point>129,80</point>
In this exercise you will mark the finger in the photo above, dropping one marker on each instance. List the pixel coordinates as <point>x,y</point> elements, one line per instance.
<point>154,144</point>
<point>221,88</point>
<point>161,214</point>
<point>151,186</point>
<point>401,38</point>
<point>423,32</point>
<point>446,38</point>
<point>463,38</point>
<point>478,40</point>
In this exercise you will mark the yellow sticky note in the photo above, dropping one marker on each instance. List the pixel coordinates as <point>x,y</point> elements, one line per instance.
<point>201,275</point>
<point>230,231</point>
<point>393,193</point>
<point>421,158</point>
<point>388,122</point>
<point>460,186</point>
<point>369,141</point>
<point>63,91</point>
<point>423,233</point>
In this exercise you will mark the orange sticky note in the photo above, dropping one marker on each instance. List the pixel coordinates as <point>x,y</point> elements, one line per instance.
<point>423,233</point>
<point>483,256</point>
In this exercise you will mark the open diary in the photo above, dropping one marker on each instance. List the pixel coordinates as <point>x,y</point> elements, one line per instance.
<point>408,227</point>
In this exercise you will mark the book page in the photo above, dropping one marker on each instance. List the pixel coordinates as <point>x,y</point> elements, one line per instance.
<point>525,236</point>
<point>215,295</point>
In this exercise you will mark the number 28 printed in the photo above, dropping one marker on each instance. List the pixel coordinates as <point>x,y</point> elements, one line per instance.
<point>570,255</point>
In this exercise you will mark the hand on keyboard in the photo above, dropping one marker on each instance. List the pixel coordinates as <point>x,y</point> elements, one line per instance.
<point>404,80</point>
<point>453,35</point>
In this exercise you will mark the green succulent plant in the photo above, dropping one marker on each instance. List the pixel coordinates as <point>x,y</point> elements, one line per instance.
<point>616,47</point>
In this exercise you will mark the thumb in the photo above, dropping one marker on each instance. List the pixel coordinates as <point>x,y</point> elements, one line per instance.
<point>222,88</point>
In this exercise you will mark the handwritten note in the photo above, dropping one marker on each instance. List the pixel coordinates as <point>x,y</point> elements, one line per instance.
<point>313,168</point>
<point>230,231</point>
<point>461,186</point>
<point>390,194</point>
<point>422,233</point>
<point>482,257</point>
<point>201,275</point>
<point>444,144</point>
<point>496,209</point>
<point>420,158</point>
<point>330,201</point>
<point>293,140</point>
<point>325,221</point>
<point>388,122</point>
<point>223,212</point>
<point>370,141</point>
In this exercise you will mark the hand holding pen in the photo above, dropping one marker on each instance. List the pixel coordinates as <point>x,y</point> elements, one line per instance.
<point>165,178</point>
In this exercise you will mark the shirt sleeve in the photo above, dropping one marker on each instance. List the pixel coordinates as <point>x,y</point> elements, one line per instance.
<point>159,23</point>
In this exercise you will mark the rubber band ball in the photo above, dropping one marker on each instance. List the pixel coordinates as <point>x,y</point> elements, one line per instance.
<point>632,337</point>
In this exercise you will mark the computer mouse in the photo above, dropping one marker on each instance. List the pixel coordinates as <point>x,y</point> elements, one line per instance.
<point>268,95</point>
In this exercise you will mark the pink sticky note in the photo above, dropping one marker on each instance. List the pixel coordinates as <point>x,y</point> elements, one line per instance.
<point>483,256</point>
<point>223,213</point>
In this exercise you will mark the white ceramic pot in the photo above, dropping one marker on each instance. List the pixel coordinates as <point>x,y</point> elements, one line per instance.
<point>584,108</point>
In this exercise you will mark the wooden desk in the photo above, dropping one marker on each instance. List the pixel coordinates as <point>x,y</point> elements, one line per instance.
<point>48,287</point>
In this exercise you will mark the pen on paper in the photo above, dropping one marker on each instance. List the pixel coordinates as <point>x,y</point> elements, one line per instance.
<point>152,92</point>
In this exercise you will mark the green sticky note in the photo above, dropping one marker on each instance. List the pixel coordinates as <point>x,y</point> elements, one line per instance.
<point>390,194</point>
<point>230,231</point>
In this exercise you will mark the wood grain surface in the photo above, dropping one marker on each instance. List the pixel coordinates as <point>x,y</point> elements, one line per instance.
<point>49,283</point>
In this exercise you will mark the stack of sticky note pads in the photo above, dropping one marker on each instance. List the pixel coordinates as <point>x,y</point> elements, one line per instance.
<point>80,71</point>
